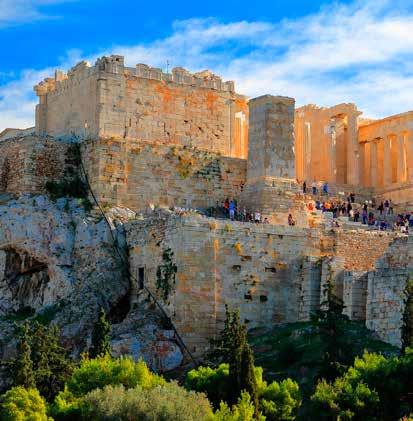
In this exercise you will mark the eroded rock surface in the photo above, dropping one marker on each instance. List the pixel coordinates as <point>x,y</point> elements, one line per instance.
<point>59,263</point>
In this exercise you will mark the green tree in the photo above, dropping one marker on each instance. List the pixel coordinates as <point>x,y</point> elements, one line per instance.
<point>332,324</point>
<point>232,347</point>
<point>41,361</point>
<point>374,388</point>
<point>100,336</point>
<point>407,326</point>
<point>243,410</point>
<point>214,382</point>
<point>52,365</point>
<point>19,404</point>
<point>280,401</point>
<point>277,401</point>
<point>23,365</point>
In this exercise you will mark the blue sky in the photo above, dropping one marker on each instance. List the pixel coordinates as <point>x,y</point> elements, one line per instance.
<point>316,51</point>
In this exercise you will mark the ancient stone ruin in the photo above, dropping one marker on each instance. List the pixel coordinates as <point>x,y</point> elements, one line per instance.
<point>171,148</point>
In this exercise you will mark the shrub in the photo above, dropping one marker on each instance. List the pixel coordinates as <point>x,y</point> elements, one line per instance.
<point>167,402</point>
<point>103,371</point>
<point>375,387</point>
<point>277,401</point>
<point>244,410</point>
<point>214,382</point>
<point>98,373</point>
<point>19,404</point>
<point>280,401</point>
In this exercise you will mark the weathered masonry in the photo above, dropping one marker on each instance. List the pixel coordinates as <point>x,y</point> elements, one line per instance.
<point>110,100</point>
<point>273,274</point>
<point>158,142</point>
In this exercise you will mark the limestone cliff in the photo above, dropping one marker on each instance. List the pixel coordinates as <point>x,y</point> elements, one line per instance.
<point>58,264</point>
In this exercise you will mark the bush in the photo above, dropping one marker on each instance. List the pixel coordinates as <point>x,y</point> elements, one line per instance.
<point>167,402</point>
<point>244,410</point>
<point>280,401</point>
<point>277,401</point>
<point>105,370</point>
<point>214,382</point>
<point>20,404</point>
<point>375,387</point>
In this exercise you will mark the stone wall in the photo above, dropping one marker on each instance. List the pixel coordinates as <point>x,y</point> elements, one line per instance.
<point>137,174</point>
<point>385,290</point>
<point>68,104</point>
<point>259,269</point>
<point>272,274</point>
<point>143,103</point>
<point>27,163</point>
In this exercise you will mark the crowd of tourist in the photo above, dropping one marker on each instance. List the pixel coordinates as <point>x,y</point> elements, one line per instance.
<point>230,209</point>
<point>368,213</point>
<point>375,215</point>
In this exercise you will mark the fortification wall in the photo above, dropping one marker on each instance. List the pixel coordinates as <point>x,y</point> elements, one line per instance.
<point>27,163</point>
<point>272,274</point>
<point>385,301</point>
<point>69,103</point>
<point>184,114</point>
<point>143,103</point>
<point>137,174</point>
<point>258,269</point>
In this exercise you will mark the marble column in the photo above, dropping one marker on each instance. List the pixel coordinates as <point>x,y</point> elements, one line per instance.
<point>332,176</point>
<point>401,159</point>
<point>353,153</point>
<point>307,151</point>
<point>408,139</point>
<point>386,162</point>
<point>373,163</point>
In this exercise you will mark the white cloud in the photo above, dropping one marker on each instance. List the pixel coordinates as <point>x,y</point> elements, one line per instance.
<point>14,12</point>
<point>359,53</point>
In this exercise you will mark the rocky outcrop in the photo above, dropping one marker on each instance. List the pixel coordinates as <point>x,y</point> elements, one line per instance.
<point>58,263</point>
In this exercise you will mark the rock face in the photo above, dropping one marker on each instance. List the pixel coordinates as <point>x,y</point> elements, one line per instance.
<point>59,263</point>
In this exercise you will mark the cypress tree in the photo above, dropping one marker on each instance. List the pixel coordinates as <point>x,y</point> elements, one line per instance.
<point>100,336</point>
<point>232,347</point>
<point>247,375</point>
<point>407,326</point>
<point>51,362</point>
<point>22,366</point>
<point>331,323</point>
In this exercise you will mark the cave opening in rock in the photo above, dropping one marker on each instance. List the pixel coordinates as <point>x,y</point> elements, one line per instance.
<point>23,279</point>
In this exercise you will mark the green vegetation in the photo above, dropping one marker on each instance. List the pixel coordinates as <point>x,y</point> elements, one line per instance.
<point>71,184</point>
<point>331,325</point>
<point>309,374</point>
<point>168,402</point>
<point>296,350</point>
<point>22,404</point>
<point>165,274</point>
<point>407,326</point>
<point>276,401</point>
<point>41,362</point>
<point>374,388</point>
<point>100,336</point>
<point>232,347</point>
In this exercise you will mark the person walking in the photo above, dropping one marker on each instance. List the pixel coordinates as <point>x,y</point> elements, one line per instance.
<point>304,187</point>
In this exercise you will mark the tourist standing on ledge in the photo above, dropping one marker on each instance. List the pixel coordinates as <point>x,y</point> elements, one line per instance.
<point>314,187</point>
<point>232,210</point>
